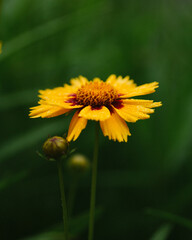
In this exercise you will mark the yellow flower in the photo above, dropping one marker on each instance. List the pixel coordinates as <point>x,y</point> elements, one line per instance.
<point>107,102</point>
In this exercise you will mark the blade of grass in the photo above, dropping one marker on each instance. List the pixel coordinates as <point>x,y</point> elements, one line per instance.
<point>173,218</point>
<point>181,146</point>
<point>50,28</point>
<point>47,236</point>
<point>162,233</point>
<point>77,225</point>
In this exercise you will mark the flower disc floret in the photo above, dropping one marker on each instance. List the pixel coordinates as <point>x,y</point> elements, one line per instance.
<point>96,94</point>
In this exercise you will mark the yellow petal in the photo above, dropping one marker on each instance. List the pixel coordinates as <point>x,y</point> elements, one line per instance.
<point>77,124</point>
<point>97,114</point>
<point>111,79</point>
<point>115,128</point>
<point>97,80</point>
<point>79,81</point>
<point>46,111</point>
<point>132,110</point>
<point>62,97</point>
<point>125,114</point>
<point>67,102</point>
<point>122,85</point>
<point>54,102</point>
<point>141,90</point>
<point>58,92</point>
<point>144,103</point>
<point>133,113</point>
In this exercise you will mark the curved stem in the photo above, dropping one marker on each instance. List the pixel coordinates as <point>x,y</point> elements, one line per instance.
<point>93,184</point>
<point>63,199</point>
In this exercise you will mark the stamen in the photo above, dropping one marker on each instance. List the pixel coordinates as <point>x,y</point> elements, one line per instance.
<point>96,94</point>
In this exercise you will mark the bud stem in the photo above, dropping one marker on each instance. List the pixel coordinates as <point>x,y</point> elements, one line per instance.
<point>63,199</point>
<point>93,184</point>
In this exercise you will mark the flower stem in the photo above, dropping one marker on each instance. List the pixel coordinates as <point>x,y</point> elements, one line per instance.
<point>93,184</point>
<point>63,199</point>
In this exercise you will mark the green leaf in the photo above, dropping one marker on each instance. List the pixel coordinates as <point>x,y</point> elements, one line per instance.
<point>170,217</point>
<point>77,225</point>
<point>47,236</point>
<point>80,223</point>
<point>180,148</point>
<point>162,233</point>
<point>48,29</point>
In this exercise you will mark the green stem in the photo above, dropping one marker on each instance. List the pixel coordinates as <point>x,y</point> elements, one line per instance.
<point>63,199</point>
<point>93,184</point>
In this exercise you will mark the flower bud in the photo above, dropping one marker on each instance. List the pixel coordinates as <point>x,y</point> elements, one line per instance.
<point>55,147</point>
<point>78,164</point>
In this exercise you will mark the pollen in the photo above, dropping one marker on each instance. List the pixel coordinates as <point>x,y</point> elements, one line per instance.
<point>96,94</point>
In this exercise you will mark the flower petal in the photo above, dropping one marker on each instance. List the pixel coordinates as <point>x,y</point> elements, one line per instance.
<point>79,81</point>
<point>57,92</point>
<point>115,128</point>
<point>76,126</point>
<point>65,102</point>
<point>64,97</point>
<point>144,103</point>
<point>46,111</point>
<point>122,85</point>
<point>132,110</point>
<point>132,113</point>
<point>141,90</point>
<point>97,114</point>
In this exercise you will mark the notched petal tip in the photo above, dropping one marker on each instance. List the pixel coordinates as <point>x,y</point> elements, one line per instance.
<point>157,104</point>
<point>37,116</point>
<point>132,110</point>
<point>115,128</point>
<point>97,114</point>
<point>47,111</point>
<point>79,81</point>
<point>144,89</point>
<point>111,78</point>
<point>77,124</point>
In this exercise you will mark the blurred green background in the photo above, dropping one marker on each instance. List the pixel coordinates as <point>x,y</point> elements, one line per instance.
<point>144,186</point>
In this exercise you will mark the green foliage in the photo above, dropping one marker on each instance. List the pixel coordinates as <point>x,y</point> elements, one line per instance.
<point>77,226</point>
<point>45,43</point>
<point>171,217</point>
<point>162,233</point>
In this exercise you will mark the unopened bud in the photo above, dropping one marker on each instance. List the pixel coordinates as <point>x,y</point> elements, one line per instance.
<point>78,163</point>
<point>55,147</point>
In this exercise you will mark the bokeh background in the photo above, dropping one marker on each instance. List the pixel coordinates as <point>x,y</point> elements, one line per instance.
<point>144,186</point>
